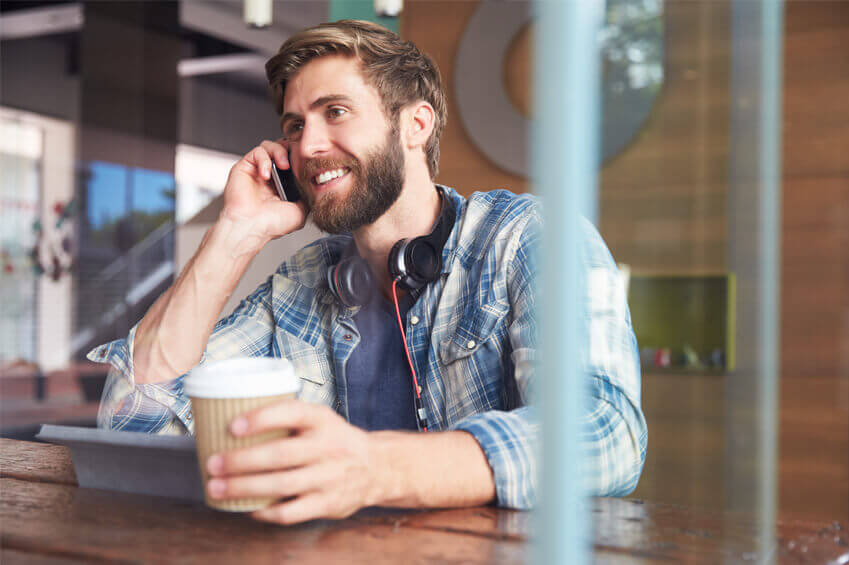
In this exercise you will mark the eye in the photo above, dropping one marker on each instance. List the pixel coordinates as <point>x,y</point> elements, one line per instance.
<point>336,112</point>
<point>292,130</point>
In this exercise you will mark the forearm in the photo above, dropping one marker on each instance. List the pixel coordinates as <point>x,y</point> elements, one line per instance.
<point>172,335</point>
<point>432,470</point>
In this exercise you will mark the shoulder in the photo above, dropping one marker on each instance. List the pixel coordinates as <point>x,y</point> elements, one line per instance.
<point>594,251</point>
<point>500,208</point>
<point>497,219</point>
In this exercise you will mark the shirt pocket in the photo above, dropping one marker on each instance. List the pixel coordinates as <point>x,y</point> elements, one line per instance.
<point>471,362</point>
<point>312,367</point>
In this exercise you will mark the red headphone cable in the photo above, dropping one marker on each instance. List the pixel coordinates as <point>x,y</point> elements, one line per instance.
<point>420,413</point>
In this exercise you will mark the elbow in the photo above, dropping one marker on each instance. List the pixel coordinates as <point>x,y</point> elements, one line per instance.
<point>632,458</point>
<point>619,482</point>
<point>632,475</point>
<point>614,465</point>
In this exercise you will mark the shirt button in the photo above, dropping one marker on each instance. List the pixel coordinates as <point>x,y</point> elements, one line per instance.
<point>189,416</point>
<point>471,344</point>
<point>414,320</point>
<point>347,337</point>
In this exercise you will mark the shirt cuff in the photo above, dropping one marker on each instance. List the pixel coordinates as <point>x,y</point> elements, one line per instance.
<point>147,407</point>
<point>508,440</point>
<point>119,354</point>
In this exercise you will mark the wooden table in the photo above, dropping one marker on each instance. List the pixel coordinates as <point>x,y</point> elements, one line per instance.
<point>46,518</point>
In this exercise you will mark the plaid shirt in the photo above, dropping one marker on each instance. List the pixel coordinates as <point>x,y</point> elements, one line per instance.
<point>472,338</point>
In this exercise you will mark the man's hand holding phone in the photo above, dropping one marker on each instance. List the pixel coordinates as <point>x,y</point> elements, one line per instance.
<point>172,336</point>
<point>251,201</point>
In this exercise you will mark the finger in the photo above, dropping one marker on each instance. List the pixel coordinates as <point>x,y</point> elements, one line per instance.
<point>247,167</point>
<point>280,454</point>
<point>279,484</point>
<point>308,507</point>
<point>260,158</point>
<point>278,152</point>
<point>288,414</point>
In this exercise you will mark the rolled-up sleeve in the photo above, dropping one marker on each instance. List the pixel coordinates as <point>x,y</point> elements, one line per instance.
<point>613,430</point>
<point>163,408</point>
<point>159,408</point>
<point>508,441</point>
<point>614,433</point>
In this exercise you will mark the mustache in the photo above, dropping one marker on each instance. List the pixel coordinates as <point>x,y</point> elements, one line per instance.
<point>312,167</point>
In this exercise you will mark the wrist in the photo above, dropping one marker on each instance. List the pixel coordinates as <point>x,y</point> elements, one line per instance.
<point>235,238</point>
<point>384,477</point>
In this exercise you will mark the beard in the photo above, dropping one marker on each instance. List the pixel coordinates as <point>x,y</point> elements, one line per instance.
<point>376,185</point>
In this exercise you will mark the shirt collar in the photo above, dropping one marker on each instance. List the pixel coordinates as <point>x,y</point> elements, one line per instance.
<point>453,241</point>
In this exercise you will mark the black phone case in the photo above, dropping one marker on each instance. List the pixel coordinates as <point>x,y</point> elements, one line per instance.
<point>284,182</point>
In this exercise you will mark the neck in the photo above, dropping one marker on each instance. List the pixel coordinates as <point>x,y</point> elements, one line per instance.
<point>412,215</point>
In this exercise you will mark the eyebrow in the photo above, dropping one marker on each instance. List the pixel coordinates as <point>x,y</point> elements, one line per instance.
<point>317,103</point>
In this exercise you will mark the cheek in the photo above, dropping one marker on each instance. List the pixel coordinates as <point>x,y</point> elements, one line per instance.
<point>296,165</point>
<point>358,139</point>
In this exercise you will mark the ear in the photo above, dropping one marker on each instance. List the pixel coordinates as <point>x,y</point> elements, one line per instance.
<point>417,121</point>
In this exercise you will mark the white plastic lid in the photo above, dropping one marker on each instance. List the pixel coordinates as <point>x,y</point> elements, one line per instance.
<point>242,377</point>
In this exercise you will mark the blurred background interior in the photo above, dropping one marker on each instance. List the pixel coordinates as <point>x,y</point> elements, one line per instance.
<point>119,122</point>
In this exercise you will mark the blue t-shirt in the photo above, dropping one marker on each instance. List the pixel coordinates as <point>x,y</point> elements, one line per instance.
<point>380,384</point>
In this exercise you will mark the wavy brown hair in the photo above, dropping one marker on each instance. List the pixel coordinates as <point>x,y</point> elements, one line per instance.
<point>400,72</point>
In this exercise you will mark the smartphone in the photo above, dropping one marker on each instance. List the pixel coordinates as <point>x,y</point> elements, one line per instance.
<point>284,182</point>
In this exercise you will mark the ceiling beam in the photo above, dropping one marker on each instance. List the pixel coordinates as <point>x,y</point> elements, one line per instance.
<point>41,21</point>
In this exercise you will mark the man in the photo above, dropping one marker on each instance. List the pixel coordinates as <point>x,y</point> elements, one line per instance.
<point>362,113</point>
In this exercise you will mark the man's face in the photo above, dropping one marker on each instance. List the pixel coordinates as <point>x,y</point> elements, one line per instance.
<point>347,158</point>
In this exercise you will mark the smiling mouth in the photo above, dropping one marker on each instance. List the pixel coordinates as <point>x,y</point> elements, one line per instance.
<point>325,177</point>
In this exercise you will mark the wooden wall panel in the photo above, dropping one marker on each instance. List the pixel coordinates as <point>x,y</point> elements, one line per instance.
<point>664,199</point>
<point>436,27</point>
<point>685,418</point>
<point>814,413</point>
<point>664,211</point>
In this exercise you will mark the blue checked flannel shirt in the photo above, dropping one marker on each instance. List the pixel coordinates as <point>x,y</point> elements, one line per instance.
<point>472,338</point>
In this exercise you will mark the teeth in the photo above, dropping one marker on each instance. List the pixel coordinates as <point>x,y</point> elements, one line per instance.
<point>327,176</point>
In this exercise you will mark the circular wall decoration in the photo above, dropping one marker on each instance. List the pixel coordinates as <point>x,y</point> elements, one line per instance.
<point>631,45</point>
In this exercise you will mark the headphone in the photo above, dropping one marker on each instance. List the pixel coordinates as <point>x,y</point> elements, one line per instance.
<point>412,262</point>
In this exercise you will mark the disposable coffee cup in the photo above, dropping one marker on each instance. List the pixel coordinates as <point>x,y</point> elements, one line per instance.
<point>223,390</point>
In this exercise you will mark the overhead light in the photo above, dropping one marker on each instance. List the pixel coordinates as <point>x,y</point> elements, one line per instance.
<point>257,13</point>
<point>221,64</point>
<point>388,8</point>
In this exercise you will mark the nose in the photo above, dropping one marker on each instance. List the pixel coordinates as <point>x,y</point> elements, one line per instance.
<point>314,139</point>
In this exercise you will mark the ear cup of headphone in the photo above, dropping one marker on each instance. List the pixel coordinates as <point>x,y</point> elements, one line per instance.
<point>397,268</point>
<point>414,262</point>
<point>418,261</point>
<point>351,281</point>
<point>425,261</point>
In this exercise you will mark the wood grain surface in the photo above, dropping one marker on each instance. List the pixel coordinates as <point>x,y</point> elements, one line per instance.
<point>46,518</point>
<point>36,462</point>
